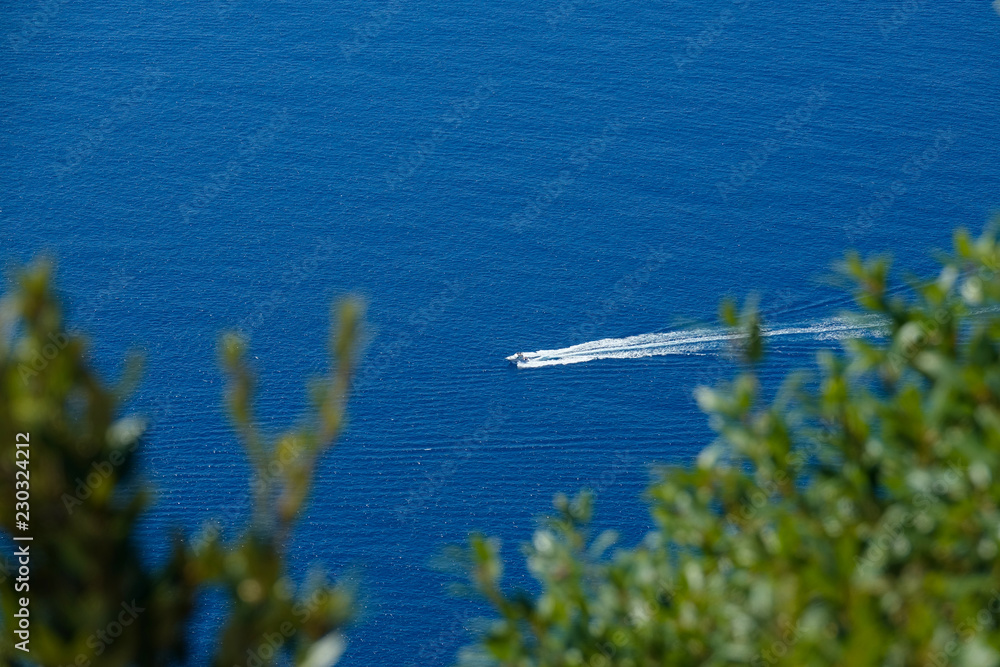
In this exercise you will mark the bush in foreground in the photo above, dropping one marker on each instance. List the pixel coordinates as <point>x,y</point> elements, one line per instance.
<point>853,521</point>
<point>92,601</point>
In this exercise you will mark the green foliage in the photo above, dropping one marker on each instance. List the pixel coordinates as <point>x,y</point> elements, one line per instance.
<point>853,520</point>
<point>92,599</point>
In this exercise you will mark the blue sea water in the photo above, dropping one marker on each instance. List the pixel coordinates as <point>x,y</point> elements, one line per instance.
<point>492,178</point>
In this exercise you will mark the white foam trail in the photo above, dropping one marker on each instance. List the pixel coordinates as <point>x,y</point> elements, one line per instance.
<point>691,341</point>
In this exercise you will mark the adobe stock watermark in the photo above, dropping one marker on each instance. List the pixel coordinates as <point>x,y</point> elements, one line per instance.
<point>416,325</point>
<point>41,358</point>
<point>437,651</point>
<point>121,109</point>
<point>791,634</point>
<point>224,7</point>
<point>433,483</point>
<point>120,285</point>
<point>890,535</point>
<point>290,278</point>
<point>900,16</point>
<point>710,33</point>
<point>914,336</point>
<point>270,645</point>
<point>769,487</point>
<point>34,24</point>
<point>622,293</point>
<point>102,639</point>
<point>579,161</point>
<point>561,12</point>
<point>114,289</point>
<point>447,126</point>
<point>639,615</point>
<point>330,647</point>
<point>967,631</point>
<point>365,33</point>
<point>100,472</point>
<point>220,181</point>
<point>787,128</point>
<point>289,451</point>
<point>913,169</point>
<point>623,462</point>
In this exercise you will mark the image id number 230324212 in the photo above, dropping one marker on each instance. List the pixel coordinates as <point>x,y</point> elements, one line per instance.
<point>22,515</point>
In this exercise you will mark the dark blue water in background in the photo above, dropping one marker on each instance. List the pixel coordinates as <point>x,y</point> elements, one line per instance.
<point>491,178</point>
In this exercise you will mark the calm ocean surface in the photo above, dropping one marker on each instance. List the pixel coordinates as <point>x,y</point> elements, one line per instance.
<point>492,178</point>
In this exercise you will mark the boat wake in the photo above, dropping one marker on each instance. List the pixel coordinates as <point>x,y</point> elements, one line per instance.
<point>692,341</point>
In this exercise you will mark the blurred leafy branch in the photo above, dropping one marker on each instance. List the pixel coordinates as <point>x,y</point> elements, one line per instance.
<point>852,520</point>
<point>93,600</point>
